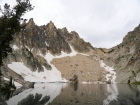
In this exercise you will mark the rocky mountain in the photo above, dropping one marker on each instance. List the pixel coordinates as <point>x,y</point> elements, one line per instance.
<point>125,58</point>
<point>35,48</point>
<point>48,54</point>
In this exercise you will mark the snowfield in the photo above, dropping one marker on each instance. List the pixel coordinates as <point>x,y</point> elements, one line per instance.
<point>53,75</point>
<point>46,76</point>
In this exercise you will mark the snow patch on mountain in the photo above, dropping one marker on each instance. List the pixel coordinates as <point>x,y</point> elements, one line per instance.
<point>46,76</point>
<point>112,74</point>
<point>111,71</point>
<point>49,56</point>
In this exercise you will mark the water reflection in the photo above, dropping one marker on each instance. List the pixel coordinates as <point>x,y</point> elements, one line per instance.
<point>112,94</point>
<point>74,86</point>
<point>34,100</point>
<point>50,89</point>
<point>80,94</point>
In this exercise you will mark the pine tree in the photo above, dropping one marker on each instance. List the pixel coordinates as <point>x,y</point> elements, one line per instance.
<point>10,24</point>
<point>11,83</point>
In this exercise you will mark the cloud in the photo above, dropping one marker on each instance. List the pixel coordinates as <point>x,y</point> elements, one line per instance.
<point>103,23</point>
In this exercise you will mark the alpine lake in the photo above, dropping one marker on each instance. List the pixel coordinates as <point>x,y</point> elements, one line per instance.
<point>77,94</point>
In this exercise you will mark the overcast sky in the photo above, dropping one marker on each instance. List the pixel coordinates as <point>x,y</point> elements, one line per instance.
<point>103,23</point>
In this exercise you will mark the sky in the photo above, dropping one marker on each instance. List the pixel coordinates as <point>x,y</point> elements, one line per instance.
<point>103,23</point>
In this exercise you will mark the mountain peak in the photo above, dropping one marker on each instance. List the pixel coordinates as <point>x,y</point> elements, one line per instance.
<point>75,34</point>
<point>64,30</point>
<point>31,23</point>
<point>51,22</point>
<point>51,25</point>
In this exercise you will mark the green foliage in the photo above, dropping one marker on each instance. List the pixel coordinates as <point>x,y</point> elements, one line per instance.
<point>136,83</point>
<point>10,24</point>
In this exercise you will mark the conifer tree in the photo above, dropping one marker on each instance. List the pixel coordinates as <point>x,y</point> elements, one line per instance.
<point>10,24</point>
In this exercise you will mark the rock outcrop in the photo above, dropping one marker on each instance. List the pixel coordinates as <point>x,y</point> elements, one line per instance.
<point>78,43</point>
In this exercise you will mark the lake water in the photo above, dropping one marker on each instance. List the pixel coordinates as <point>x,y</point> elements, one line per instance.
<point>78,94</point>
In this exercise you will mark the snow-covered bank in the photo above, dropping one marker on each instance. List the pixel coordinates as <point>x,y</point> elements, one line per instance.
<point>18,85</point>
<point>112,74</point>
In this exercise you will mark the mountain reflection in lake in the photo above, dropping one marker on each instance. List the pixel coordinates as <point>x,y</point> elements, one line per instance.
<point>78,94</point>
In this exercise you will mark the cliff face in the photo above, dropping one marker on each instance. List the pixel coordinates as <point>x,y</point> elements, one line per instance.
<point>43,38</point>
<point>125,57</point>
<point>77,43</point>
